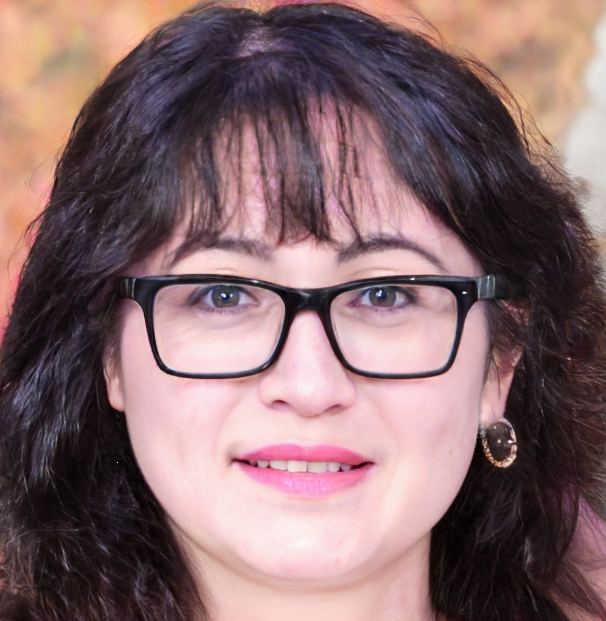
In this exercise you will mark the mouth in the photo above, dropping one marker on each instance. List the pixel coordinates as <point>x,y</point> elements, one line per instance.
<point>295,465</point>
<point>316,471</point>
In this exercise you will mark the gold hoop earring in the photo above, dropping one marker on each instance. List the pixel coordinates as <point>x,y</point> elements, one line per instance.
<point>499,443</point>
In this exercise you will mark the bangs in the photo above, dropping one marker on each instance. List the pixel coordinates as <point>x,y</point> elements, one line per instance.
<point>304,167</point>
<point>293,145</point>
<point>291,111</point>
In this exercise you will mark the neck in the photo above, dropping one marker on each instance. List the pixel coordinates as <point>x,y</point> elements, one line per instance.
<point>399,592</point>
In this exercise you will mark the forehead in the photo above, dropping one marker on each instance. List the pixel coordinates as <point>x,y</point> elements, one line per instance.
<point>388,220</point>
<point>400,237</point>
<point>335,186</point>
<point>334,169</point>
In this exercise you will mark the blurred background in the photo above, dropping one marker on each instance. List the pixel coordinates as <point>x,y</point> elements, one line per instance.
<point>551,54</point>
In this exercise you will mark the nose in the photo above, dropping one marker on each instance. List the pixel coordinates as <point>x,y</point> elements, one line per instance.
<point>307,379</point>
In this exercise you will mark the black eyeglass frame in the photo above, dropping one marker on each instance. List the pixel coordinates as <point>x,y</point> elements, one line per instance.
<point>467,292</point>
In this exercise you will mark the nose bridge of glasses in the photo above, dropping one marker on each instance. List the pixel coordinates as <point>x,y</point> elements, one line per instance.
<point>307,300</point>
<point>314,300</point>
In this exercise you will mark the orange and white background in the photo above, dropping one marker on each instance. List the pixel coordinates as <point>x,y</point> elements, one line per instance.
<point>551,53</point>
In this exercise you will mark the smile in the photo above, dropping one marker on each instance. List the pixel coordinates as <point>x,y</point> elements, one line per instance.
<point>305,472</point>
<point>293,465</point>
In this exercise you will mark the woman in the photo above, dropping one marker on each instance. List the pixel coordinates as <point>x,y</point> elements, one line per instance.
<point>306,331</point>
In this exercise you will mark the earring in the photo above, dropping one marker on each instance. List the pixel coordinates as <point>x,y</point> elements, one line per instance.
<point>499,443</point>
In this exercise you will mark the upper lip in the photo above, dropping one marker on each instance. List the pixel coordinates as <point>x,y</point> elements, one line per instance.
<point>294,452</point>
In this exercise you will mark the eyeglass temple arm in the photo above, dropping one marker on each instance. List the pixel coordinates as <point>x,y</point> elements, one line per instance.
<point>125,287</point>
<point>491,287</point>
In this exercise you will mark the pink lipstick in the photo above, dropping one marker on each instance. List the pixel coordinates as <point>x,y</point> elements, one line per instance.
<point>311,472</point>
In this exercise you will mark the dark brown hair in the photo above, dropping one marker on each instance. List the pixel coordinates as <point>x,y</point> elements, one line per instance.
<point>82,535</point>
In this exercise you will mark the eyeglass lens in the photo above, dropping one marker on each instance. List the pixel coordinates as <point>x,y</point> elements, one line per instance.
<point>218,328</point>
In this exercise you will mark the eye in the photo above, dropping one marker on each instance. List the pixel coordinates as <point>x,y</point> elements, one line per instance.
<point>385,296</point>
<point>224,296</point>
<point>220,296</point>
<point>382,296</point>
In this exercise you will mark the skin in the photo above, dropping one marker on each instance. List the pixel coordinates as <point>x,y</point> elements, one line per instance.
<point>358,555</point>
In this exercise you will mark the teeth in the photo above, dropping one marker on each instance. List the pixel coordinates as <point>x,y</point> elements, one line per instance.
<point>278,464</point>
<point>297,466</point>
<point>318,467</point>
<point>293,465</point>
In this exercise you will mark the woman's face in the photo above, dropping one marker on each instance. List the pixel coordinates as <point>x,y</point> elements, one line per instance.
<point>416,437</point>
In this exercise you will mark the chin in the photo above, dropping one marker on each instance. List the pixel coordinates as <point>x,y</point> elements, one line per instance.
<point>302,570</point>
<point>309,558</point>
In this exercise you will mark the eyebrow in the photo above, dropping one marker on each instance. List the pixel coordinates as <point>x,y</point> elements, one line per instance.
<point>382,243</point>
<point>239,245</point>
<point>359,247</point>
<point>242,245</point>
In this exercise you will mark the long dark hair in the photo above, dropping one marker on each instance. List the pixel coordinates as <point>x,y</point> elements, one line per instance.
<point>156,146</point>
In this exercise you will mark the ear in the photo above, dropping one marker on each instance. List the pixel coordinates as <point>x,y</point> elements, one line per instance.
<point>114,384</point>
<point>496,386</point>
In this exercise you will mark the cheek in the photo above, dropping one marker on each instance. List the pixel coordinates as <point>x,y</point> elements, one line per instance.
<point>434,431</point>
<point>175,424</point>
<point>433,424</point>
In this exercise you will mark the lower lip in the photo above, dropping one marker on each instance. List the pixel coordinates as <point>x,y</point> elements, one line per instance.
<point>306,484</point>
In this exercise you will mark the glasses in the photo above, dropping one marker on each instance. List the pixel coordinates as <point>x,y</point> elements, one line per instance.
<point>396,327</point>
